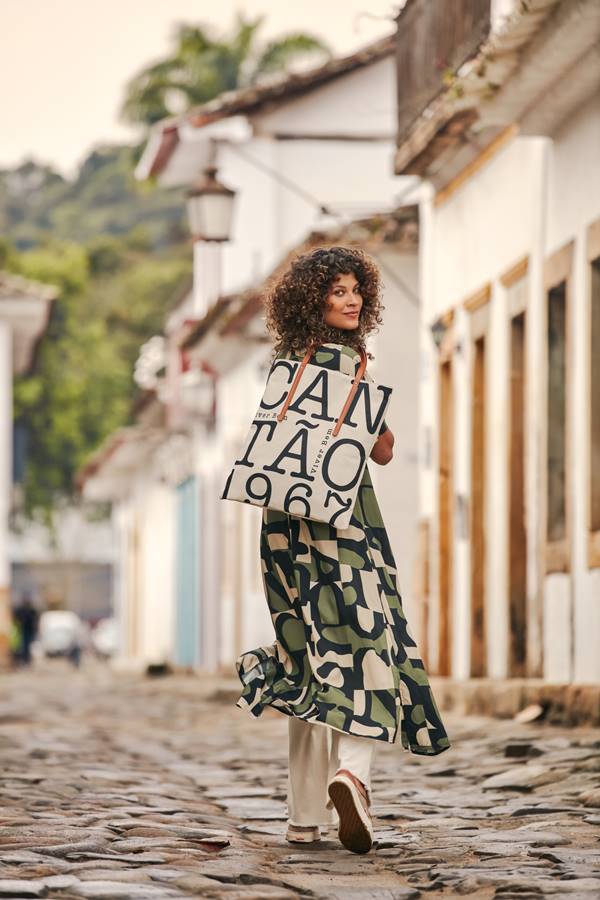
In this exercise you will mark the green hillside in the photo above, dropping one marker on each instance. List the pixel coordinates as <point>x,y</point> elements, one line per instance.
<point>118,251</point>
<point>104,199</point>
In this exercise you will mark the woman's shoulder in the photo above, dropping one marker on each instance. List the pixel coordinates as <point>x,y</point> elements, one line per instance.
<point>339,357</point>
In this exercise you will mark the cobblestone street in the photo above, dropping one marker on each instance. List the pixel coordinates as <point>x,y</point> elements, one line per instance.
<point>130,787</point>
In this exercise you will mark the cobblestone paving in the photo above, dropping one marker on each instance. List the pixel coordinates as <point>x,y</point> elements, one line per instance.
<point>127,787</point>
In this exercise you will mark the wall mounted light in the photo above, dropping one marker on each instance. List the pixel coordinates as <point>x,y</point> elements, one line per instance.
<point>438,329</point>
<point>210,208</point>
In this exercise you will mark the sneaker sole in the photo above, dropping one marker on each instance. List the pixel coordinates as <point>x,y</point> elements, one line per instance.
<point>302,838</point>
<point>353,833</point>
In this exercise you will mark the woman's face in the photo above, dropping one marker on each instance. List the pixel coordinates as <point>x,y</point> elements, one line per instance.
<point>343,303</point>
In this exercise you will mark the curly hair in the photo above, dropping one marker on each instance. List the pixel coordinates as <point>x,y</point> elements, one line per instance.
<point>295,304</point>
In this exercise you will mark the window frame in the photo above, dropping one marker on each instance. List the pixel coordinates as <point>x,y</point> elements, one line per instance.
<point>518,304</point>
<point>558,268</point>
<point>592,254</point>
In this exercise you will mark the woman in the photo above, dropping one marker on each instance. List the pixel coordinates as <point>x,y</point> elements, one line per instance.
<point>344,666</point>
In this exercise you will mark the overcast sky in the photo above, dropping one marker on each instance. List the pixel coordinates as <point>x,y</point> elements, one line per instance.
<point>64,63</point>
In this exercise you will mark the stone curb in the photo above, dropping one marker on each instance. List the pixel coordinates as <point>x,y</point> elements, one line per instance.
<point>563,704</point>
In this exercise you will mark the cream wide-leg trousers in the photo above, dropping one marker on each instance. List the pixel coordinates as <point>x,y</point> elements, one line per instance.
<point>316,752</point>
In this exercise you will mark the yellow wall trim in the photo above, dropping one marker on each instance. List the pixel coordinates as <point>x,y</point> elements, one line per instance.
<point>478,299</point>
<point>515,273</point>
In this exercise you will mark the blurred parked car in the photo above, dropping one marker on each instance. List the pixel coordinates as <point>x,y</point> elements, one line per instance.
<point>61,633</point>
<point>105,638</point>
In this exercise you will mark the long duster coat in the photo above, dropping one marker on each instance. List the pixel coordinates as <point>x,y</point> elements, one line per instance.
<point>343,653</point>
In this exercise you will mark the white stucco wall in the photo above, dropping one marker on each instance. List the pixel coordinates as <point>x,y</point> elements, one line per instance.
<point>574,176</point>
<point>143,523</point>
<point>485,227</point>
<point>125,582</point>
<point>156,517</point>
<point>396,351</point>
<point>239,395</point>
<point>354,176</point>
<point>74,539</point>
<point>362,102</point>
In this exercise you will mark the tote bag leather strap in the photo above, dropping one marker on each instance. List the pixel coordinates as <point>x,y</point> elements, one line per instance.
<point>355,381</point>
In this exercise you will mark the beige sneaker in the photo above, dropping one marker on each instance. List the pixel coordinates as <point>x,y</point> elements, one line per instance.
<point>303,834</point>
<point>349,796</point>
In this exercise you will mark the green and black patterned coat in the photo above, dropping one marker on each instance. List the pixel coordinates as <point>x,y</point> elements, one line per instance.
<point>343,653</point>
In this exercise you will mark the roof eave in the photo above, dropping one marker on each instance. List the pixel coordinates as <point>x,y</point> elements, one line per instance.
<point>28,305</point>
<point>160,147</point>
<point>501,84</point>
<point>247,101</point>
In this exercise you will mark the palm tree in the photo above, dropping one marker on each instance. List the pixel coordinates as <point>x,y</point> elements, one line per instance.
<point>204,66</point>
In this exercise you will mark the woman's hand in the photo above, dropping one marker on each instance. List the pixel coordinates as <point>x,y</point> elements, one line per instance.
<point>382,451</point>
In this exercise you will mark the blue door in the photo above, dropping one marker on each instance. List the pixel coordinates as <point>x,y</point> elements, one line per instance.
<point>187,620</point>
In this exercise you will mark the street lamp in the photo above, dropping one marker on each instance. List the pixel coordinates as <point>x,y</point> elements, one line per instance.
<point>438,330</point>
<point>210,208</point>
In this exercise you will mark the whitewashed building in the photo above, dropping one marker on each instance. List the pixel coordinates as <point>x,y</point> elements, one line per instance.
<point>301,151</point>
<point>307,153</point>
<point>509,150</point>
<point>235,337</point>
<point>24,312</point>
<point>134,470</point>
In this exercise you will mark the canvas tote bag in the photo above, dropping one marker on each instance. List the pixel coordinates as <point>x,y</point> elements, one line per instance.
<point>309,441</point>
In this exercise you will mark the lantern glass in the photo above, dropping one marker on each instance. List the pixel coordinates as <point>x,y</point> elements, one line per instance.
<point>438,330</point>
<point>210,209</point>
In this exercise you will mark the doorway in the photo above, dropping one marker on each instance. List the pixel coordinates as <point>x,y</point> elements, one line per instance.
<point>477,519</point>
<point>187,638</point>
<point>517,532</point>
<point>446,416</point>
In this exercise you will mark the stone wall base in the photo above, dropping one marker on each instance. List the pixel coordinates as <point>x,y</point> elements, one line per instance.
<point>564,704</point>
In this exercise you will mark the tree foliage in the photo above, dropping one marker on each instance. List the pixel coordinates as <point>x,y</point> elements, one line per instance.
<point>202,66</point>
<point>111,298</point>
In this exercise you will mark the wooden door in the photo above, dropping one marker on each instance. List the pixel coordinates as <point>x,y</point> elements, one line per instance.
<point>446,415</point>
<point>517,532</point>
<point>477,518</point>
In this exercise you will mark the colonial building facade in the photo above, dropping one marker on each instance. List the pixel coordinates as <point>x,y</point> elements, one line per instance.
<point>510,290</point>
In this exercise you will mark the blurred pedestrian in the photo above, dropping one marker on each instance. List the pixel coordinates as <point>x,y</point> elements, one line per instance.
<point>26,617</point>
<point>344,665</point>
<point>74,653</point>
